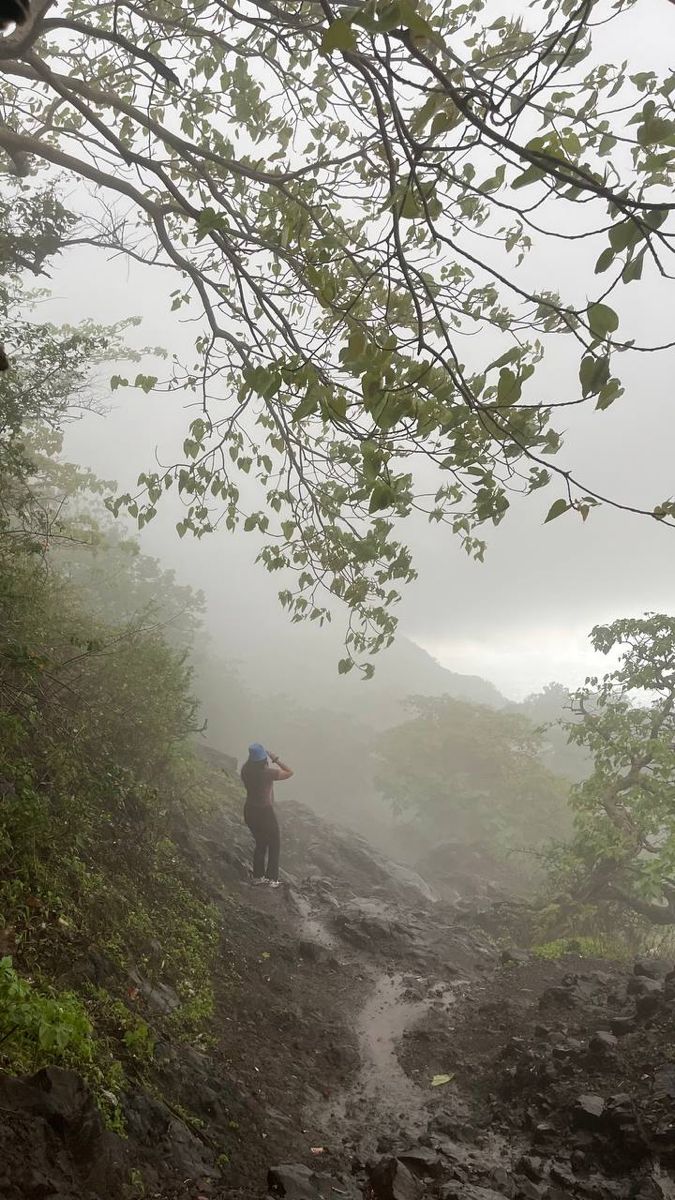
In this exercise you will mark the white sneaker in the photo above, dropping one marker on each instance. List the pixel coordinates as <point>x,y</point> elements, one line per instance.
<point>273,883</point>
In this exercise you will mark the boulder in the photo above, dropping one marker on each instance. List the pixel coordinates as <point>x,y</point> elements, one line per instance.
<point>422,1161</point>
<point>67,1132</point>
<point>588,1111</point>
<point>649,968</point>
<point>527,1189</point>
<point>562,1176</point>
<point>620,1026</point>
<point>298,1182</point>
<point>158,996</point>
<point>530,1166</point>
<point>517,958</point>
<point>603,1043</point>
<point>647,1006</point>
<point>390,1179</point>
<point>641,985</point>
<point>367,922</point>
<point>647,1188</point>
<point>503,1181</point>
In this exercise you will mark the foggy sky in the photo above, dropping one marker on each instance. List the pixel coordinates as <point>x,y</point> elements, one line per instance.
<point>521,618</point>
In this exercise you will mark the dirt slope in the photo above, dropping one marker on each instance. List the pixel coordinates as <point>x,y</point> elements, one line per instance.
<point>339,999</point>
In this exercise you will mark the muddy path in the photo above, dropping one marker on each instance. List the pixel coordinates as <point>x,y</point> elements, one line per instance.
<point>382,1103</point>
<point>382,1099</point>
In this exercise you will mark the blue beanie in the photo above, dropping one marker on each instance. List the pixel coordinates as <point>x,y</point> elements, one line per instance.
<point>256,752</point>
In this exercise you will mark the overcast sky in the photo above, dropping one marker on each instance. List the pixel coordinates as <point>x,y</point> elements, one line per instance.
<point>520,619</point>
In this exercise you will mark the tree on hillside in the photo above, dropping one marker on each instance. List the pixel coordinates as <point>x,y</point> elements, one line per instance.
<point>472,774</point>
<point>623,852</point>
<point>346,193</point>
<point>548,710</point>
<point>50,377</point>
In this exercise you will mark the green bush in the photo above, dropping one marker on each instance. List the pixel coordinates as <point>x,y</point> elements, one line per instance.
<point>584,947</point>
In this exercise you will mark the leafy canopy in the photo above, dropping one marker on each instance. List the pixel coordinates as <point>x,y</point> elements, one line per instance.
<point>623,852</point>
<point>346,194</point>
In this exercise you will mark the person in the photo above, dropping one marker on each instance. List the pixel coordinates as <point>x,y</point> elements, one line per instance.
<point>259,774</point>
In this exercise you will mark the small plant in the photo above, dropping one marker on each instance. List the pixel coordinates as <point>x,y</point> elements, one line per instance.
<point>139,1041</point>
<point>136,1183</point>
<point>36,1029</point>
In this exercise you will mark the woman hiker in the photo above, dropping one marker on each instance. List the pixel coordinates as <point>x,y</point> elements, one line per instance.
<point>259,774</point>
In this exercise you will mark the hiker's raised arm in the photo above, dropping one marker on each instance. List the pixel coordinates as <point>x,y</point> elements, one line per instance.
<point>281,769</point>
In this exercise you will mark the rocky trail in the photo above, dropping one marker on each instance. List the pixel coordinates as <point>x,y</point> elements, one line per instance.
<point>372,1038</point>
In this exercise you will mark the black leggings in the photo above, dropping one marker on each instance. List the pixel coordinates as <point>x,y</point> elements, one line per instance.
<point>262,821</point>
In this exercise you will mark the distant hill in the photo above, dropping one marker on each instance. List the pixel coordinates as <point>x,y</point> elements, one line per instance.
<point>300,663</point>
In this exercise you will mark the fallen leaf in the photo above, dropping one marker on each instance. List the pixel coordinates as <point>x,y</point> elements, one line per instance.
<point>441,1080</point>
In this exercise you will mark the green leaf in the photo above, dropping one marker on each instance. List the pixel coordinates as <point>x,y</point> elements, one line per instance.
<point>382,496</point>
<point>410,209</point>
<point>623,235</point>
<point>602,320</point>
<point>441,1080</point>
<point>208,222</point>
<point>605,261</point>
<point>593,374</point>
<point>306,408</point>
<point>633,269</point>
<point>508,388</point>
<point>338,36</point>
<point>344,666</point>
<point>556,510</point>
<point>531,175</point>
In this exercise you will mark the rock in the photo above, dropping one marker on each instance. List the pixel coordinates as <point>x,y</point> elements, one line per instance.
<point>578,1161</point>
<point>568,1046</point>
<point>385,1144</point>
<point>544,1133</point>
<point>647,1188</point>
<point>298,1182</point>
<point>588,1111</point>
<point>503,1181</point>
<point>641,985</point>
<point>527,1189</point>
<point>648,967</point>
<point>62,1114</point>
<point>531,1167</point>
<point>664,1080</point>
<point>558,997</point>
<point>620,1026</point>
<point>468,1191</point>
<point>603,1042</point>
<point>512,957</point>
<point>159,996</point>
<point>562,1176</point>
<point>365,922</point>
<point>313,951</point>
<point>648,1004</point>
<point>390,1179</point>
<point>422,1161</point>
